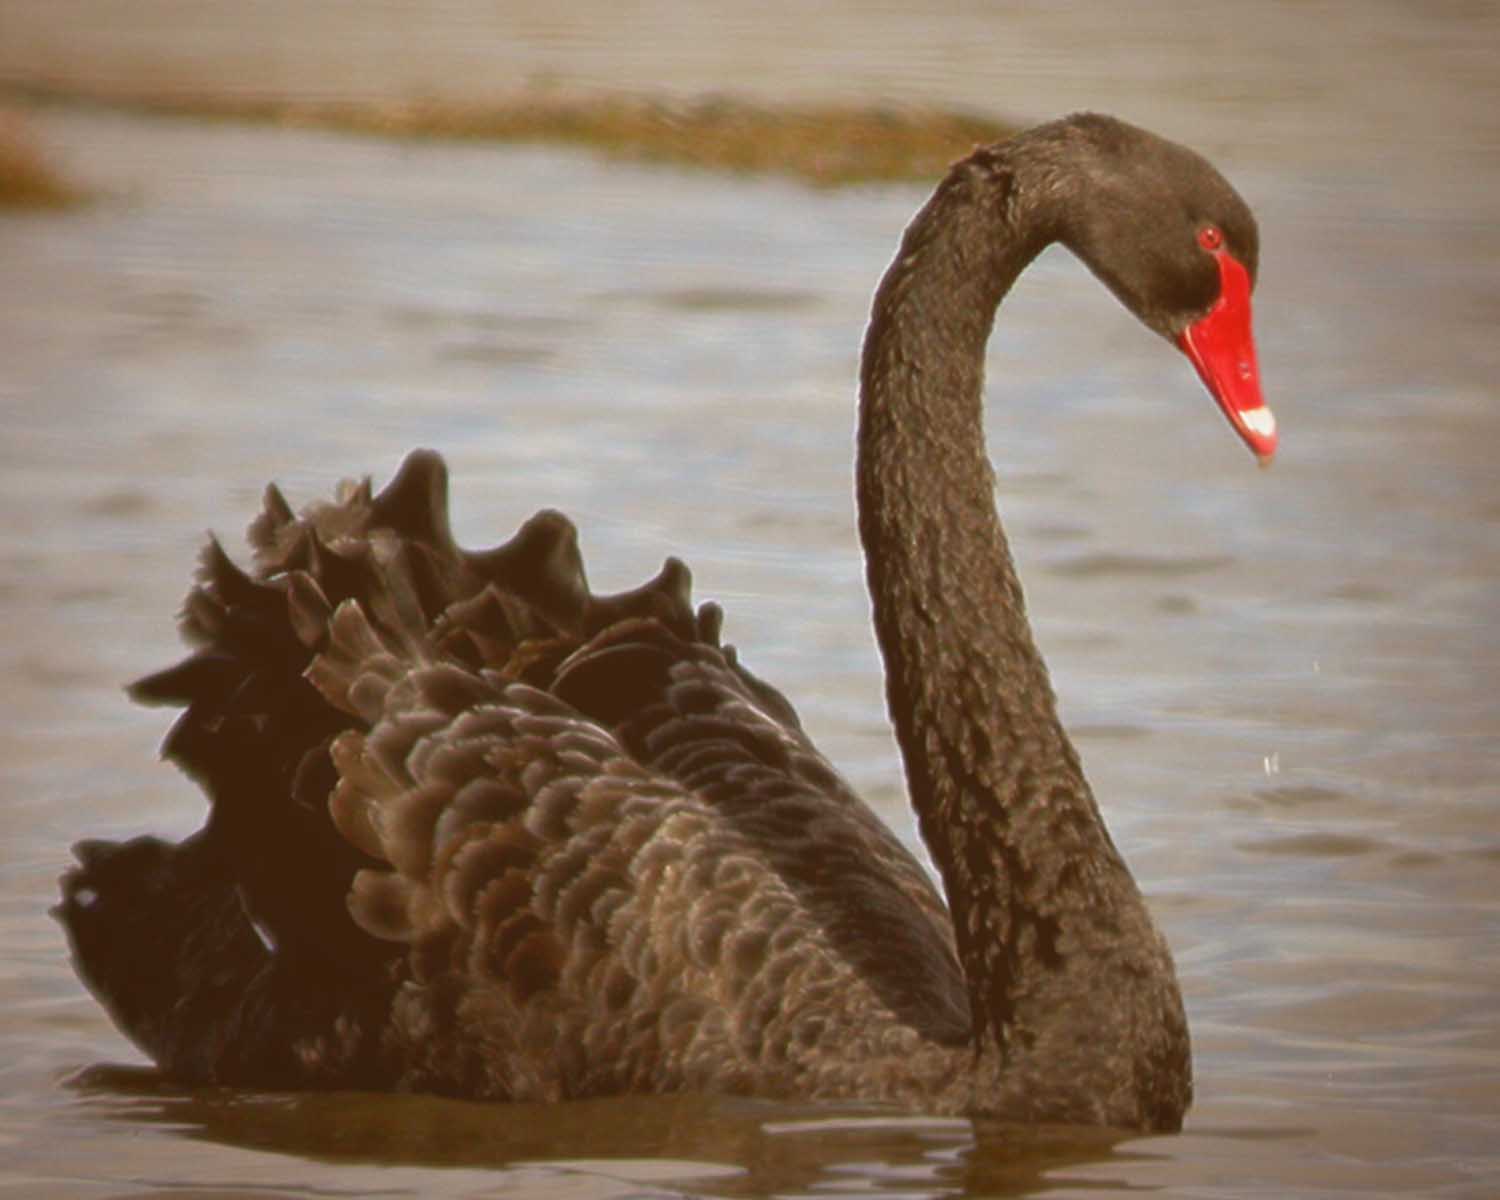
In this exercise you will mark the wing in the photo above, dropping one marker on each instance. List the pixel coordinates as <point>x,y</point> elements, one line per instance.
<point>524,840</point>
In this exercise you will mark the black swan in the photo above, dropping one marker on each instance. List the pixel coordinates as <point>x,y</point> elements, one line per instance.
<point>477,830</point>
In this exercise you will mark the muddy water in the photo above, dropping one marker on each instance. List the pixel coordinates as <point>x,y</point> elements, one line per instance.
<point>1282,682</point>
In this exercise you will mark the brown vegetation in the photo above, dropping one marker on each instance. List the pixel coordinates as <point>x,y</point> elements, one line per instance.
<point>826,145</point>
<point>27,177</point>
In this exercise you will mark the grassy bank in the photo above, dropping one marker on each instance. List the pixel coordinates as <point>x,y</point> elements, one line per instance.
<point>825,145</point>
<point>28,178</point>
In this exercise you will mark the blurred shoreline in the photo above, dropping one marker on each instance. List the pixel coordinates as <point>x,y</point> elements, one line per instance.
<point>29,179</point>
<point>823,144</point>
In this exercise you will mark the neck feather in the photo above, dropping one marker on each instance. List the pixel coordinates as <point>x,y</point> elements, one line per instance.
<point>1076,1011</point>
<point>999,792</point>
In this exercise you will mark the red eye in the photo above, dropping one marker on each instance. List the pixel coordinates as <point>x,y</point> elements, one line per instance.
<point>1210,238</point>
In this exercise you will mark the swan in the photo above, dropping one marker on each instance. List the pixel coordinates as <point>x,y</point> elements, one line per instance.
<point>476,830</point>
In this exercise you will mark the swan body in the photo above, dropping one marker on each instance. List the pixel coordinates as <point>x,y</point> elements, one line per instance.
<point>476,830</point>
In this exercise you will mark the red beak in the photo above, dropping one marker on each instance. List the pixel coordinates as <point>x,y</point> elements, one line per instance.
<point>1222,347</point>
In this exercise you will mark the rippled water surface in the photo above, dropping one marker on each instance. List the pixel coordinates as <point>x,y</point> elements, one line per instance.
<point>1282,682</point>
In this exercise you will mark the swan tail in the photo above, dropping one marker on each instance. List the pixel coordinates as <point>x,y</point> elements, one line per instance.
<point>154,935</point>
<point>159,934</point>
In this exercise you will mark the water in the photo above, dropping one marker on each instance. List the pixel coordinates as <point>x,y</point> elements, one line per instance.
<point>1282,682</point>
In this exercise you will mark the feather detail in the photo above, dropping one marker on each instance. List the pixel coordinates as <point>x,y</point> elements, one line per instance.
<point>531,815</point>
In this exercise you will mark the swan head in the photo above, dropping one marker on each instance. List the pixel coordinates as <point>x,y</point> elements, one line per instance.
<point>1165,232</point>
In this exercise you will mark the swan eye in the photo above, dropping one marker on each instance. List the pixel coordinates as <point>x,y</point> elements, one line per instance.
<point>1210,237</point>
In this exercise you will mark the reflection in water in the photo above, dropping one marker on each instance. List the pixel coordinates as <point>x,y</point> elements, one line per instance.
<point>714,1146</point>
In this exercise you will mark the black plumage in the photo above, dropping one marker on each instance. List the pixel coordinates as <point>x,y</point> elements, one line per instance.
<point>478,830</point>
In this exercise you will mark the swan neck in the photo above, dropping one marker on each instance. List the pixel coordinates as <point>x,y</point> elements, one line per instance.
<point>999,793</point>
